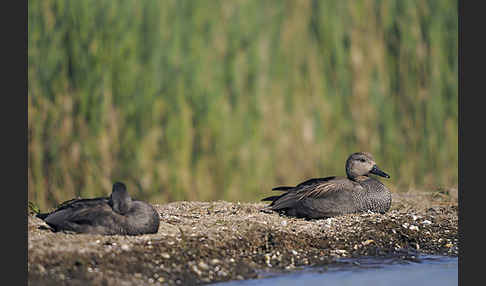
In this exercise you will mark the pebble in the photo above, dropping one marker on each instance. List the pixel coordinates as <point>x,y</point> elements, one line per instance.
<point>165,255</point>
<point>414,227</point>
<point>41,269</point>
<point>203,265</point>
<point>196,270</point>
<point>222,273</point>
<point>367,242</point>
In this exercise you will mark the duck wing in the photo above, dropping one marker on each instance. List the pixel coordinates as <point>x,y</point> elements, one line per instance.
<point>310,182</point>
<point>85,215</point>
<point>75,204</point>
<point>314,189</point>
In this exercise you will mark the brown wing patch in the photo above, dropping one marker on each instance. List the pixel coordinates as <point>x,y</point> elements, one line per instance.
<point>325,188</point>
<point>318,190</point>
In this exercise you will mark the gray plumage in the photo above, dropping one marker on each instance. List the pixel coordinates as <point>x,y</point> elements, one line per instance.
<point>117,214</point>
<point>334,196</point>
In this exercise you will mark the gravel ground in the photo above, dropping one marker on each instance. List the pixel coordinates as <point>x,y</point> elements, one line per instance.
<point>206,242</point>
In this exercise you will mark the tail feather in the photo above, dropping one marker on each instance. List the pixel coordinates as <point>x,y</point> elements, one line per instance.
<point>271,199</point>
<point>42,215</point>
<point>282,188</point>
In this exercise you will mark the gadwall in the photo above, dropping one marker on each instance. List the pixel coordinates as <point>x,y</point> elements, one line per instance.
<point>334,196</point>
<point>117,214</point>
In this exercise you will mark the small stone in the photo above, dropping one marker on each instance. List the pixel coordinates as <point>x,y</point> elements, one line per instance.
<point>367,242</point>
<point>165,255</point>
<point>413,227</point>
<point>41,269</point>
<point>222,273</point>
<point>125,247</point>
<point>284,223</point>
<point>196,270</point>
<point>203,265</point>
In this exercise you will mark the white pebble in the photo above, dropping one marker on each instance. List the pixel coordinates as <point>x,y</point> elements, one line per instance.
<point>413,227</point>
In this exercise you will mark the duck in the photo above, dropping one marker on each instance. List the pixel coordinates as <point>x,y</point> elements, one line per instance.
<point>320,198</point>
<point>117,214</point>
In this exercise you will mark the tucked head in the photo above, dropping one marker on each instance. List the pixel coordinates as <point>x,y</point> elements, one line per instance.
<point>362,164</point>
<point>120,201</point>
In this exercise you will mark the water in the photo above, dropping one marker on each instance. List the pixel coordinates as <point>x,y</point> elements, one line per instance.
<point>428,270</point>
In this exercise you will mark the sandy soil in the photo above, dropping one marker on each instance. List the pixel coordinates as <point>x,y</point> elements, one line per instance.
<point>205,242</point>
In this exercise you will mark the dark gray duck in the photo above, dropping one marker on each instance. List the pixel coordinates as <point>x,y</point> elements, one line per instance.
<point>117,214</point>
<point>334,196</point>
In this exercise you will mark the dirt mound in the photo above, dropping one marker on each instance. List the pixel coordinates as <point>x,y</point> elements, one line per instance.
<point>201,242</point>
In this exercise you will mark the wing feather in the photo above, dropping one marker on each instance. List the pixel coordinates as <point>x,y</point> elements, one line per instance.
<point>317,188</point>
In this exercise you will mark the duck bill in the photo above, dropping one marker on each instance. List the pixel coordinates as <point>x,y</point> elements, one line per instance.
<point>379,172</point>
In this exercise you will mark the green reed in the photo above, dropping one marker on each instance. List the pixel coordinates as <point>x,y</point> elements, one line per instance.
<point>208,100</point>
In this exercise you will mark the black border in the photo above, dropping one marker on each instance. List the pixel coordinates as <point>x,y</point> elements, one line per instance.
<point>470,150</point>
<point>14,141</point>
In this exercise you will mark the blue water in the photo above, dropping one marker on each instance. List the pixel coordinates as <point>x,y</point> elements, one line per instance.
<point>428,270</point>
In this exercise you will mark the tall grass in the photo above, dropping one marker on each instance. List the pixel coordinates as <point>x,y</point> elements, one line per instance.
<point>207,100</point>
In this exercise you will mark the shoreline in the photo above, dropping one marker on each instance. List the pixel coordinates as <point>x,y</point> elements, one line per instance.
<point>208,242</point>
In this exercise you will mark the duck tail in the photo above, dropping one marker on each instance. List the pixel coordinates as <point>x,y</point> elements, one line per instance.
<point>282,188</point>
<point>270,199</point>
<point>42,215</point>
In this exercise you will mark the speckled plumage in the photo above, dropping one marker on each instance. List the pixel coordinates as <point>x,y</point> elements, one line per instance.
<point>334,196</point>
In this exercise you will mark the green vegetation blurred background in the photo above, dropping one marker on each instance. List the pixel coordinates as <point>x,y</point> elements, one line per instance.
<point>209,100</point>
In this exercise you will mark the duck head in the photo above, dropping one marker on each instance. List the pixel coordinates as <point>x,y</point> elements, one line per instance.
<point>362,164</point>
<point>120,201</point>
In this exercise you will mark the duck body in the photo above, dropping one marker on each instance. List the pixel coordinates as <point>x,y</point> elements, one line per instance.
<point>117,214</point>
<point>334,196</point>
